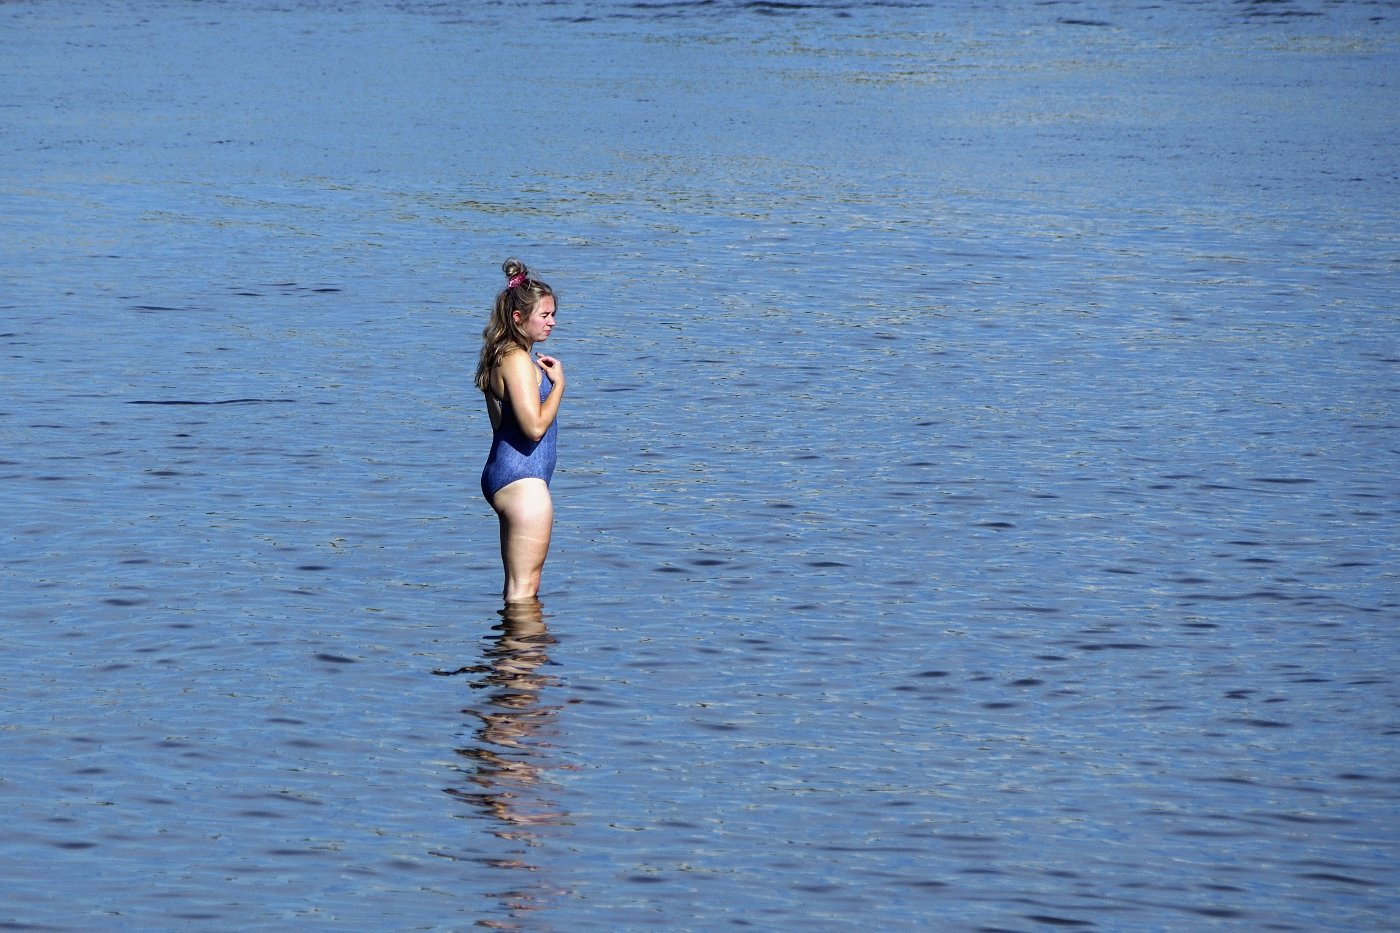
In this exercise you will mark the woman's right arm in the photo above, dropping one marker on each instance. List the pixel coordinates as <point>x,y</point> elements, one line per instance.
<point>523,392</point>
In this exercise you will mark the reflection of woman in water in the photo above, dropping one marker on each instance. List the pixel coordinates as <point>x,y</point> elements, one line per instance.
<point>511,740</point>
<point>504,774</point>
<point>522,400</point>
<point>508,776</point>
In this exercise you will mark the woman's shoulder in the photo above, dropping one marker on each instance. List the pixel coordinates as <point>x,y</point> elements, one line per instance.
<point>512,359</point>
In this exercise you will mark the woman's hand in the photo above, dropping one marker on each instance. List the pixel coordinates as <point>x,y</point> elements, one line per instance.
<point>553,367</point>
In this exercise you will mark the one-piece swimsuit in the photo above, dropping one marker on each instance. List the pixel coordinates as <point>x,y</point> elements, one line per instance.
<point>513,455</point>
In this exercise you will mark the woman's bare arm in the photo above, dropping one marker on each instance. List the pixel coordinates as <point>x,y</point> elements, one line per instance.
<point>522,392</point>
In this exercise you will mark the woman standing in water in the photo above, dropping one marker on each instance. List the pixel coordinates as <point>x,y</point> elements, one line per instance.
<point>522,399</point>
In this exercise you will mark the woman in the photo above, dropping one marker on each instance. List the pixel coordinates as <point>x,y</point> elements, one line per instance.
<point>522,399</point>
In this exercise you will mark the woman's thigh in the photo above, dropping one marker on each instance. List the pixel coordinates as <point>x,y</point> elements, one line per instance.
<point>526,510</point>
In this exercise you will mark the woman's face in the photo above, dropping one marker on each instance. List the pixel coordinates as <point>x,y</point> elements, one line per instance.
<point>537,326</point>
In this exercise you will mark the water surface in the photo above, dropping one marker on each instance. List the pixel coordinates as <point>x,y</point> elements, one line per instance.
<point>977,503</point>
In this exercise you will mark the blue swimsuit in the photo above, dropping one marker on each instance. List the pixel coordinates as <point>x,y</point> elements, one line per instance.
<point>513,455</point>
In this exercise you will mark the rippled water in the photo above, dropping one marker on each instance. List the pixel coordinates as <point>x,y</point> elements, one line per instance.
<point>977,497</point>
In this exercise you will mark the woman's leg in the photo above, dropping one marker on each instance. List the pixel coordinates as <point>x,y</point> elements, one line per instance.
<point>527,518</point>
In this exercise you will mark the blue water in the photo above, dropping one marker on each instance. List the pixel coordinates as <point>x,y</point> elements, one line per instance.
<point>977,500</point>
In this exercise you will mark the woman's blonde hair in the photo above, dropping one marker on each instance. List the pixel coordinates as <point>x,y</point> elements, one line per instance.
<point>522,293</point>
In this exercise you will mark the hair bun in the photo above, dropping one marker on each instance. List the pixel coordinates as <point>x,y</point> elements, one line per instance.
<point>514,268</point>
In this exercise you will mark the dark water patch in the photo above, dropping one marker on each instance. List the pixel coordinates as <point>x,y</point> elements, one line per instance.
<point>1211,833</point>
<point>470,669</point>
<point>1216,913</point>
<point>1270,595</point>
<point>293,288</point>
<point>777,7</point>
<point>673,5</point>
<point>335,658</point>
<point>1082,22</point>
<point>1056,921</point>
<point>230,401</point>
<point>1333,878</point>
<point>1261,723</point>
<point>1308,819</point>
<point>1280,14</point>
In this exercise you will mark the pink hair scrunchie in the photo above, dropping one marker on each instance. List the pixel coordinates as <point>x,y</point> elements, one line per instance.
<point>515,280</point>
